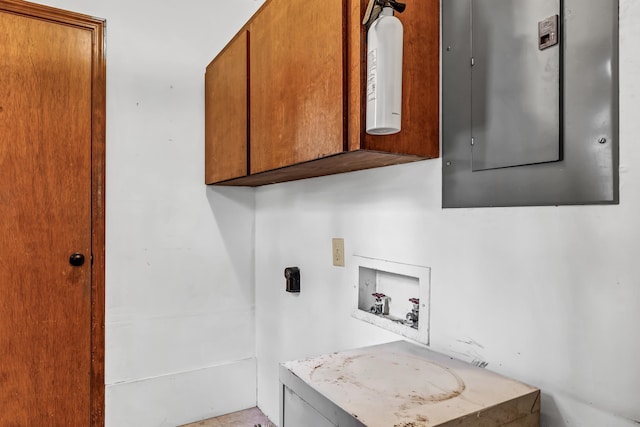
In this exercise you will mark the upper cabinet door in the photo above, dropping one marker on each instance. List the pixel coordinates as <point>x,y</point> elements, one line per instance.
<point>226,113</point>
<point>297,83</point>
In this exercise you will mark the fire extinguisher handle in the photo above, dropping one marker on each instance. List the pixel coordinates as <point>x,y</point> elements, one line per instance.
<point>375,7</point>
<point>397,6</point>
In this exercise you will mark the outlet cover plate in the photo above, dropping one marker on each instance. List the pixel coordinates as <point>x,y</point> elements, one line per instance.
<point>337,251</point>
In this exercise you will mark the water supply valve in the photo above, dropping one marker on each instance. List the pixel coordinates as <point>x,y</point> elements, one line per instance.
<point>381,306</point>
<point>412,316</point>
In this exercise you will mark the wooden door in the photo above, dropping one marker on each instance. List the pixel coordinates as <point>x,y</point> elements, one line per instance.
<point>226,106</point>
<point>297,63</point>
<point>51,158</point>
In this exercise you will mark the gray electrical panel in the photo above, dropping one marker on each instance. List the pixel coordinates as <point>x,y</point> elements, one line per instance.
<point>530,102</point>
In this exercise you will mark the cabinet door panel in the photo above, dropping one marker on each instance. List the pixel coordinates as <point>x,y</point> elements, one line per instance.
<point>420,134</point>
<point>297,412</point>
<point>226,113</point>
<point>296,83</point>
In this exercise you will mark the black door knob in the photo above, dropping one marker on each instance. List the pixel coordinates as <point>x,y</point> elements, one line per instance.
<point>76,259</point>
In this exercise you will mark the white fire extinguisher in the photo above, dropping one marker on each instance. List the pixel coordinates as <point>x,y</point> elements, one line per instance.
<point>384,67</point>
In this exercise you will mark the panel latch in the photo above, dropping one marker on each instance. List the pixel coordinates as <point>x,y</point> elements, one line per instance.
<point>548,32</point>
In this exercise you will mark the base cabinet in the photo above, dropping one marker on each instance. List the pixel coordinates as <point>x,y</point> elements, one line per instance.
<point>401,384</point>
<point>297,412</point>
<point>294,106</point>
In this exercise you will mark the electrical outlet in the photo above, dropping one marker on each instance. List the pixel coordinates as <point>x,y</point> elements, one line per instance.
<point>337,252</point>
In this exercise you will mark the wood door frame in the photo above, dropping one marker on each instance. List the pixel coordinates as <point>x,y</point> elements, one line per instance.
<point>98,149</point>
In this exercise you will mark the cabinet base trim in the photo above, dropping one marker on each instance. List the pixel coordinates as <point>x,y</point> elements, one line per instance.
<point>344,162</point>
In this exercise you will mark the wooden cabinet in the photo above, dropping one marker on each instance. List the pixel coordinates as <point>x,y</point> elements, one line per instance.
<point>226,113</point>
<point>286,98</point>
<point>296,81</point>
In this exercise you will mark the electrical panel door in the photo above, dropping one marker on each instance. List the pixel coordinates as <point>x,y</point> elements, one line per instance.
<point>515,81</point>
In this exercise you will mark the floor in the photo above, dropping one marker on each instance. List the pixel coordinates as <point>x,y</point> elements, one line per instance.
<point>247,418</point>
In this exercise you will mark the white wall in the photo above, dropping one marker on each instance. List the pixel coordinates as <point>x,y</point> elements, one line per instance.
<point>551,294</point>
<point>180,324</point>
